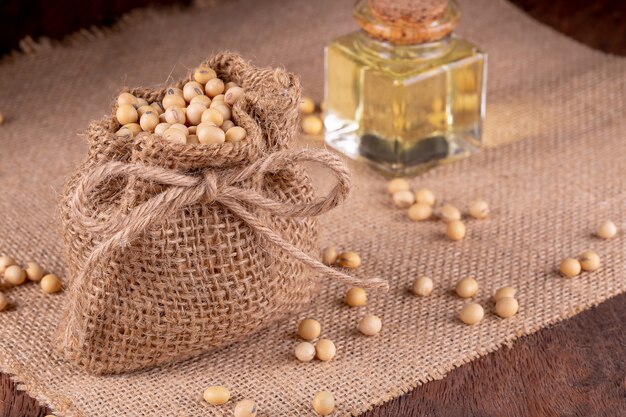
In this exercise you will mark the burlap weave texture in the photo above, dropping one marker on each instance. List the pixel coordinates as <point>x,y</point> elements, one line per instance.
<point>560,101</point>
<point>200,277</point>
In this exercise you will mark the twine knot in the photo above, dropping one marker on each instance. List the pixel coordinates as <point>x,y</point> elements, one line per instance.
<point>182,190</point>
<point>210,185</point>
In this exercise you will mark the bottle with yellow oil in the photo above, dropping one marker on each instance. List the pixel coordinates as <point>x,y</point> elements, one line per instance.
<point>404,93</point>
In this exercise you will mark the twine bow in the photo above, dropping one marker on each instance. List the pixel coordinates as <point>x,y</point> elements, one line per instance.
<point>183,190</point>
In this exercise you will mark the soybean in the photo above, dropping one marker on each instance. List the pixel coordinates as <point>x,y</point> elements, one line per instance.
<point>370,325</point>
<point>455,230</point>
<point>448,213</point>
<point>329,255</point>
<point>306,106</point>
<point>425,196</point>
<point>478,209</point>
<point>135,128</point>
<point>175,115</point>
<point>397,184</point>
<point>124,132</point>
<point>216,395</point>
<point>403,199</point>
<point>208,134</point>
<point>161,128</point>
<point>214,87</point>
<point>312,125</point>
<point>466,288</point>
<point>158,108</point>
<point>175,135</point>
<point>471,313</point>
<point>127,98</point>
<point>309,329</point>
<point>4,302</point>
<point>233,95</point>
<point>324,403</point>
<point>222,108</point>
<point>50,284</point>
<point>356,297</point>
<point>191,90</point>
<point>589,261</point>
<point>235,134</point>
<point>504,292</point>
<point>33,271</point>
<point>6,261</point>
<point>14,275</point>
<point>507,307</point>
<point>173,100</point>
<point>570,267</point>
<point>149,121</point>
<point>174,91</point>
<point>245,408</point>
<point>202,100</point>
<point>607,230</point>
<point>325,350</point>
<point>126,113</point>
<point>143,110</point>
<point>304,351</point>
<point>204,74</point>
<point>213,116</point>
<point>227,125</point>
<point>420,211</point>
<point>194,113</point>
<point>180,127</point>
<point>422,286</point>
<point>350,260</point>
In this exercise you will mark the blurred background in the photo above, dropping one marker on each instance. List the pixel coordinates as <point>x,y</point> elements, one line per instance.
<point>599,23</point>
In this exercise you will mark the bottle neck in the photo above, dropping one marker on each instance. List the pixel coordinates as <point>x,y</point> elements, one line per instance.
<point>391,51</point>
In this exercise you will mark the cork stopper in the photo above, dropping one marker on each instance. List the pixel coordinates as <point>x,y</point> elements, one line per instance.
<point>405,22</point>
<point>408,12</point>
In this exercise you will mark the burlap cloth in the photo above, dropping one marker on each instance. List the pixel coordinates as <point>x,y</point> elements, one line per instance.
<point>548,192</point>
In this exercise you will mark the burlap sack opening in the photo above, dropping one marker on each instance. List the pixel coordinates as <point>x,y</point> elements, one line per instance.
<point>150,284</point>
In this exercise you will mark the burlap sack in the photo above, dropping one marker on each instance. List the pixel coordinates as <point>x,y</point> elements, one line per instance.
<point>175,249</point>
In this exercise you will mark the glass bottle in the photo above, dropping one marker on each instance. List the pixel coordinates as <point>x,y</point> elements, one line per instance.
<point>404,93</point>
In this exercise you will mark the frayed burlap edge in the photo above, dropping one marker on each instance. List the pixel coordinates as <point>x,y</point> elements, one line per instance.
<point>27,383</point>
<point>64,407</point>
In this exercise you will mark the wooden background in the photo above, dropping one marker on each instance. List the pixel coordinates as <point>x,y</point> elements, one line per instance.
<point>575,368</point>
<point>57,18</point>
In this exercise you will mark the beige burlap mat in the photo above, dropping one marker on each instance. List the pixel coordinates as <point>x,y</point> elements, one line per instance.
<point>547,193</point>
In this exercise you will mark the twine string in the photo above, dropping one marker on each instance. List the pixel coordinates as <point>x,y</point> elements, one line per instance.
<point>183,190</point>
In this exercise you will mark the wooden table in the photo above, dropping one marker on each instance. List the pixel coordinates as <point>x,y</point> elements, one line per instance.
<point>575,368</point>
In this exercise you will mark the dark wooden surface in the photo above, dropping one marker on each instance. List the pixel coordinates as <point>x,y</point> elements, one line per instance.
<point>57,18</point>
<point>575,368</point>
<point>597,23</point>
